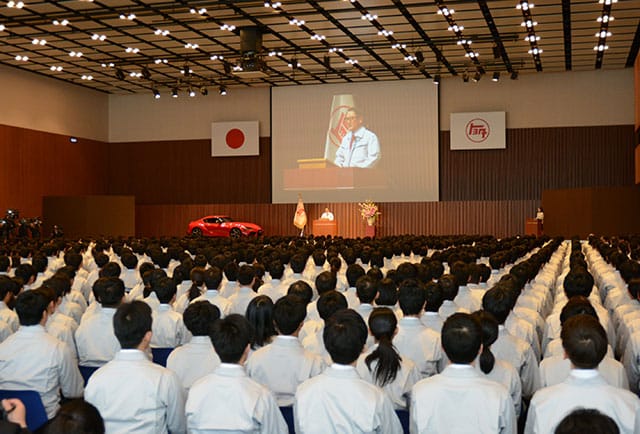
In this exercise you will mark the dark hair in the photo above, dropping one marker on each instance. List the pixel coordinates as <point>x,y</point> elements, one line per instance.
<point>76,416</point>
<point>288,313</point>
<point>461,338</point>
<point>131,322</point>
<point>276,269</point>
<point>108,291</point>
<point>130,261</point>
<point>383,323</point>
<point>584,340</point>
<point>433,297</point>
<point>112,269</point>
<point>329,303</point>
<point>366,289</point>
<point>575,306</point>
<point>25,272</point>
<point>260,316</point>
<point>579,282</point>
<point>387,293</point>
<point>165,288</point>
<point>344,335</point>
<point>230,337</point>
<point>411,297</point>
<point>246,275</point>
<point>460,272</point>
<point>301,289</point>
<point>297,263</point>
<point>498,302</point>
<point>231,271</point>
<point>198,276</point>
<point>449,286</point>
<point>354,272</point>
<point>30,305</point>
<point>586,420</point>
<point>489,328</point>
<point>39,263</point>
<point>212,277</point>
<point>199,316</point>
<point>325,281</point>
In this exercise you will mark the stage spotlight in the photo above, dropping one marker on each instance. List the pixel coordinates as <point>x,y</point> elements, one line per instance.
<point>156,93</point>
<point>119,74</point>
<point>223,90</point>
<point>186,70</point>
<point>174,92</point>
<point>476,77</point>
<point>496,76</point>
<point>192,92</point>
<point>436,79</point>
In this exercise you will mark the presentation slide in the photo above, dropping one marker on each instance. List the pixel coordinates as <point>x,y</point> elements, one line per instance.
<point>355,141</point>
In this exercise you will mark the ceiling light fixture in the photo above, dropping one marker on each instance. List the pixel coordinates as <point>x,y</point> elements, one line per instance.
<point>223,90</point>
<point>192,92</point>
<point>204,91</point>
<point>174,92</point>
<point>436,79</point>
<point>156,93</point>
<point>477,76</point>
<point>496,76</point>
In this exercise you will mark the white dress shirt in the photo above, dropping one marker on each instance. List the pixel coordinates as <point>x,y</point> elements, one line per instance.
<point>168,328</point>
<point>193,360</point>
<point>95,339</point>
<point>9,317</point>
<point>229,401</point>
<point>137,396</point>
<point>421,345</point>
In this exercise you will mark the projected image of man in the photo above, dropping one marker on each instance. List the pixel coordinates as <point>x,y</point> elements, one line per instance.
<point>359,147</point>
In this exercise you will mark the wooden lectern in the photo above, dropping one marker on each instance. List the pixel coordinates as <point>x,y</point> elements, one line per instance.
<point>324,227</point>
<point>533,227</point>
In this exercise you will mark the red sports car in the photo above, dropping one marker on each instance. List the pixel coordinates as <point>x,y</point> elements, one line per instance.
<point>222,226</point>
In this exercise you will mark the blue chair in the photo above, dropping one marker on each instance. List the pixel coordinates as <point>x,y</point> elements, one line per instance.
<point>87,372</point>
<point>403,415</point>
<point>36,414</point>
<point>160,355</point>
<point>287,413</point>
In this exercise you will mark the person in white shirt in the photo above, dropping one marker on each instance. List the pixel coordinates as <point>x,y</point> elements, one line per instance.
<point>382,365</point>
<point>327,215</point>
<point>168,329</point>
<point>196,358</point>
<point>245,293</point>
<point>32,359</point>
<point>7,298</point>
<point>95,339</point>
<point>133,394</point>
<point>338,400</point>
<point>228,400</point>
<point>461,399</point>
<point>212,280</point>
<point>329,303</point>
<point>585,343</point>
<point>274,288</point>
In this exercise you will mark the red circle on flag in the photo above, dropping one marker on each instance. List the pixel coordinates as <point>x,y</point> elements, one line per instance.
<point>234,138</point>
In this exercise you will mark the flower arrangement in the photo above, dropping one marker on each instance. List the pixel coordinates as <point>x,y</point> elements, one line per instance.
<point>369,211</point>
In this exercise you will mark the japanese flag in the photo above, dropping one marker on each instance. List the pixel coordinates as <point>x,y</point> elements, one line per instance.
<point>232,139</point>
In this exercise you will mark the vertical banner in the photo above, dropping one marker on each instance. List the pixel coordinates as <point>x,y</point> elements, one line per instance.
<point>233,139</point>
<point>482,130</point>
<point>337,129</point>
<point>300,217</point>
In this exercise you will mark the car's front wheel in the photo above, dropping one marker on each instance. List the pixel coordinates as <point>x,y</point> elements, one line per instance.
<point>235,233</point>
<point>196,232</point>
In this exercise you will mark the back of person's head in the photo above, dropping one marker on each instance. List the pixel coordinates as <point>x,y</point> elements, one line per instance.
<point>212,277</point>
<point>39,263</point>
<point>585,420</point>
<point>73,259</point>
<point>131,323</point>
<point>130,261</point>
<point>260,315</point>
<point>231,271</point>
<point>165,289</point>
<point>246,274</point>
<point>387,293</point>
<point>584,341</point>
<point>433,297</point>
<point>288,314</point>
<point>230,337</point>
<point>109,291</point>
<point>344,336</point>
<point>30,305</point>
<point>330,303</point>
<point>489,327</point>
<point>6,286</point>
<point>411,297</point>
<point>449,286</point>
<point>198,277</point>
<point>460,271</point>
<point>199,316</point>
<point>383,324</point>
<point>111,269</point>
<point>59,284</point>
<point>366,289</point>
<point>276,269</point>
<point>354,272</point>
<point>498,302</point>
<point>25,272</point>
<point>76,416</point>
<point>576,306</point>
<point>319,258</point>
<point>301,289</point>
<point>297,263</point>
<point>325,281</point>
<point>578,282</point>
<point>461,338</point>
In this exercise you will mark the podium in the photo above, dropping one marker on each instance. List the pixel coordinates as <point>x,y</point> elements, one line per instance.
<point>324,227</point>
<point>533,227</point>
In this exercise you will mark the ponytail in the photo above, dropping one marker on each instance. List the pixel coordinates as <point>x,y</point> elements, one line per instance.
<point>197,277</point>
<point>489,327</point>
<point>194,292</point>
<point>487,360</point>
<point>382,323</point>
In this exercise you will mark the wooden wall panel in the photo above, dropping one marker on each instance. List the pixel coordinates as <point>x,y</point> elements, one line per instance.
<point>537,159</point>
<point>183,171</point>
<point>34,164</point>
<point>499,218</point>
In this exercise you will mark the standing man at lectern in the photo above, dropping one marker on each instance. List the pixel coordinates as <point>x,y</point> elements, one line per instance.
<point>359,147</point>
<point>327,215</point>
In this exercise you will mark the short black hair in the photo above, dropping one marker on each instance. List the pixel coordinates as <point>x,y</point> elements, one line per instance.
<point>329,303</point>
<point>433,297</point>
<point>199,316</point>
<point>587,420</point>
<point>30,305</point>
<point>461,338</point>
<point>354,272</point>
<point>301,289</point>
<point>584,340</point>
<point>112,269</point>
<point>411,297</point>
<point>109,291</point>
<point>76,416</point>
<point>230,337</point>
<point>131,322</point>
<point>246,275</point>
<point>366,289</point>
<point>165,288</point>
<point>325,281</point>
<point>212,277</point>
<point>449,285</point>
<point>344,335</point>
<point>288,313</point>
<point>498,302</point>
